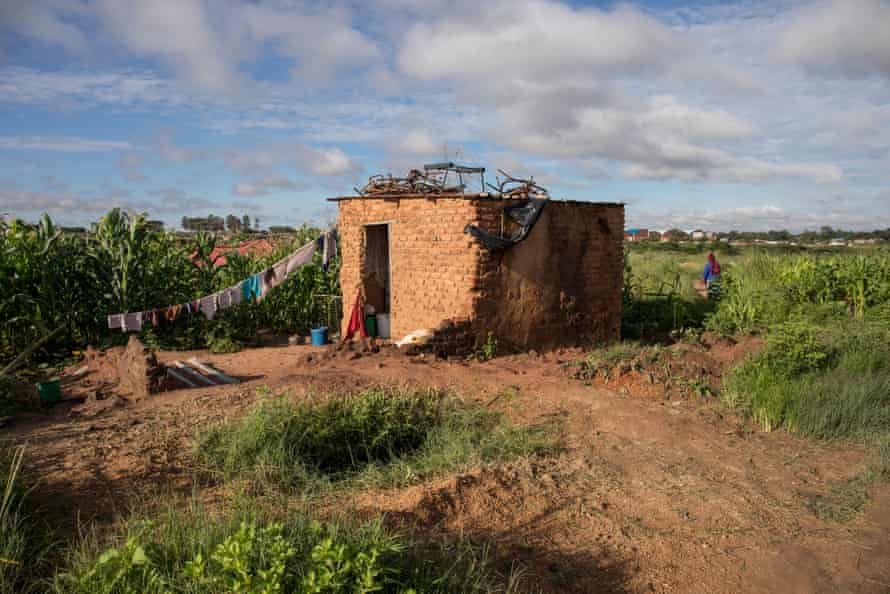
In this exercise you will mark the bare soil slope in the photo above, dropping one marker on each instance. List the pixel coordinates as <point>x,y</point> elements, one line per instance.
<point>648,495</point>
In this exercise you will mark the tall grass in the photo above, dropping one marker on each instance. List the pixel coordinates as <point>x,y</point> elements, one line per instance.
<point>22,545</point>
<point>383,436</point>
<point>825,371</point>
<point>824,383</point>
<point>252,549</point>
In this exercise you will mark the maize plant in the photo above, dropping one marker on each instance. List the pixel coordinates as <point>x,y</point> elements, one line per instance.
<point>53,279</point>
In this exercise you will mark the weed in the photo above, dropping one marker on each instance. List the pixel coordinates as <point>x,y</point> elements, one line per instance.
<point>486,350</point>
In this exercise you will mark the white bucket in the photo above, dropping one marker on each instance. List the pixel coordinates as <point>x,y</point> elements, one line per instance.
<point>383,325</point>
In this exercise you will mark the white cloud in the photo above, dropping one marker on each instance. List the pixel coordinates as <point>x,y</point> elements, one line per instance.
<point>320,43</point>
<point>535,39</point>
<point>87,89</point>
<point>261,187</point>
<point>417,142</point>
<point>43,22</point>
<point>265,158</point>
<point>178,32</point>
<point>844,38</point>
<point>326,162</point>
<point>567,82</point>
<point>67,144</point>
<point>760,217</point>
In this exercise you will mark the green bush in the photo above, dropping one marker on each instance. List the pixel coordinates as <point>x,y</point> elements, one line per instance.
<point>826,383</point>
<point>255,552</point>
<point>381,435</point>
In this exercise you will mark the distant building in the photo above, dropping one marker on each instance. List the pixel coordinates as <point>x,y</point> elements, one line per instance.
<point>698,235</point>
<point>255,247</point>
<point>636,234</point>
<point>655,235</point>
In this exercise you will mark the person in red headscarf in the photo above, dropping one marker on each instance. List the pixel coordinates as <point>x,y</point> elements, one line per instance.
<point>712,270</point>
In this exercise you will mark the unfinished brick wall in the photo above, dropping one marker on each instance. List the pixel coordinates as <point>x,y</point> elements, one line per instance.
<point>560,287</point>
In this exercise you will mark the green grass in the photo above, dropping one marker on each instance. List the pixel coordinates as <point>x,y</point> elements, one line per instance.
<point>829,383</point>
<point>23,544</point>
<point>251,550</point>
<point>382,437</point>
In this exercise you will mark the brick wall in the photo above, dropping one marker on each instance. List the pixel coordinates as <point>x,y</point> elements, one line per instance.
<point>433,261</point>
<point>561,286</point>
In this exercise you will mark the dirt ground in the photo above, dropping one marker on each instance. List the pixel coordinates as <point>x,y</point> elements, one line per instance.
<point>649,494</point>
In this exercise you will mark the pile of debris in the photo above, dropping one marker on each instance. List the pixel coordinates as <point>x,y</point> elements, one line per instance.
<point>439,178</point>
<point>112,377</point>
<point>132,371</point>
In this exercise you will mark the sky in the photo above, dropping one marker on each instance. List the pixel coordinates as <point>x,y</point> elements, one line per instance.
<point>750,115</point>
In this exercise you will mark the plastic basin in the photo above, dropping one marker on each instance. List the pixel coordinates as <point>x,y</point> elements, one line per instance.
<point>320,336</point>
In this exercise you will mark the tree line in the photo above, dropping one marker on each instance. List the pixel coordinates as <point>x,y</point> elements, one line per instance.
<point>215,223</point>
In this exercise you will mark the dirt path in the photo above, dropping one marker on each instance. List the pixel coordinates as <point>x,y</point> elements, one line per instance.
<point>647,496</point>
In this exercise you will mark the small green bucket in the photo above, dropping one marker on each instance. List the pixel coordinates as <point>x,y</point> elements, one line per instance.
<point>49,391</point>
<point>371,325</point>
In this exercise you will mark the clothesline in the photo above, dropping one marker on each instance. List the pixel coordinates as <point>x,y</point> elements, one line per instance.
<point>250,289</point>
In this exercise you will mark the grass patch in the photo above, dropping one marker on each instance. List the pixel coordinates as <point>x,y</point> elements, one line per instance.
<point>829,383</point>
<point>381,436</point>
<point>23,546</point>
<point>250,550</point>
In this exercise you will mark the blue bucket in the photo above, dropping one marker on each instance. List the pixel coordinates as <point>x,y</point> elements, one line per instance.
<point>320,336</point>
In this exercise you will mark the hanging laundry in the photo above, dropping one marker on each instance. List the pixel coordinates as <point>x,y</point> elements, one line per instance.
<point>267,282</point>
<point>115,321</point>
<point>330,248</point>
<point>301,257</point>
<point>171,312</point>
<point>251,289</point>
<point>231,296</point>
<point>132,322</point>
<point>209,305</point>
<point>356,319</point>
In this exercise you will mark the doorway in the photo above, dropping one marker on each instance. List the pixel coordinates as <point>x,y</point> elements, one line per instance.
<point>376,272</point>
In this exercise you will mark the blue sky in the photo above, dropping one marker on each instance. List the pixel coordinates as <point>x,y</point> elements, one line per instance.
<point>748,115</point>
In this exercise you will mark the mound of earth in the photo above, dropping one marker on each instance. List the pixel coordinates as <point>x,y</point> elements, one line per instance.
<point>677,371</point>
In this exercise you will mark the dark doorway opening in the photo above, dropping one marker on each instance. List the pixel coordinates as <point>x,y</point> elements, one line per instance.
<point>376,276</point>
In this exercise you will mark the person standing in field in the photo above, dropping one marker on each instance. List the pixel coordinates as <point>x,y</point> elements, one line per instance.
<point>711,275</point>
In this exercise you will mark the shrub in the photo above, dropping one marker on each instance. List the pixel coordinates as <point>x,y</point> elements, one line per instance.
<point>830,384</point>
<point>253,552</point>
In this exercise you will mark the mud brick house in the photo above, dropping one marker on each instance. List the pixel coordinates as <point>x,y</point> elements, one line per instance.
<point>415,259</point>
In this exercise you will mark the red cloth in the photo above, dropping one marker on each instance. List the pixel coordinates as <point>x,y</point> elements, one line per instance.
<point>715,265</point>
<point>356,319</point>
